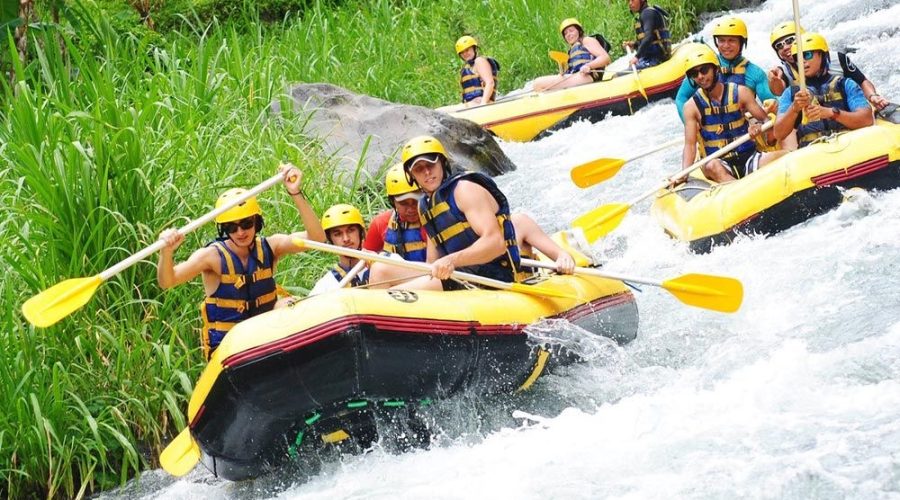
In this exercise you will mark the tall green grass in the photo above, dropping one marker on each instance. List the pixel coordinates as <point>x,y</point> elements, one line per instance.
<point>105,144</point>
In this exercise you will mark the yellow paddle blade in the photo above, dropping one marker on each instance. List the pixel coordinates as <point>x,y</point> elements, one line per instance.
<point>560,58</point>
<point>181,455</point>
<point>60,300</point>
<point>541,290</point>
<point>596,171</point>
<point>601,220</point>
<point>717,293</point>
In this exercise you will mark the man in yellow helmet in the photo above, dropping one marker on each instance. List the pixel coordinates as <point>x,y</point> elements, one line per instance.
<point>344,226</point>
<point>478,76</point>
<point>653,44</point>
<point>466,217</point>
<point>730,35</point>
<point>238,268</point>
<point>587,58</point>
<point>830,103</point>
<point>399,230</point>
<point>780,78</point>
<point>715,116</point>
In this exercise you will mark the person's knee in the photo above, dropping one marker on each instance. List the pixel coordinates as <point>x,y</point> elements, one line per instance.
<point>379,273</point>
<point>711,168</point>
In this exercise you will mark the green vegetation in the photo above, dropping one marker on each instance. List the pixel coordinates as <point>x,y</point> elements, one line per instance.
<point>113,132</point>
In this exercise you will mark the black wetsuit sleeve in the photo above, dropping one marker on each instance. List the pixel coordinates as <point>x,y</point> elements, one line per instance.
<point>850,70</point>
<point>650,20</point>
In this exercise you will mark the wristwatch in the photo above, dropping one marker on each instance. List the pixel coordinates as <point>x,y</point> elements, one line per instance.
<point>837,113</point>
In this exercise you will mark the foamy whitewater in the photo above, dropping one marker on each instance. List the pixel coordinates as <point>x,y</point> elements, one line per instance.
<point>795,396</point>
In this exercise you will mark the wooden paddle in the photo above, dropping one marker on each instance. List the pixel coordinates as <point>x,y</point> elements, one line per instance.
<point>601,169</point>
<point>60,300</point>
<point>603,219</point>
<point>717,293</point>
<point>422,266</point>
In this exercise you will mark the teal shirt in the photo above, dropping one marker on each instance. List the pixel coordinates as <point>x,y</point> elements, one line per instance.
<point>755,77</point>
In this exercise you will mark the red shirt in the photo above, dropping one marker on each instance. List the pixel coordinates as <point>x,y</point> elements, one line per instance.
<point>378,228</point>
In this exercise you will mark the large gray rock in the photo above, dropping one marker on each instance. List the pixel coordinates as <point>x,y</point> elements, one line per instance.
<point>344,121</point>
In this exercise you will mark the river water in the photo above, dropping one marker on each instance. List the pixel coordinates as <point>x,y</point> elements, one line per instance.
<point>795,396</point>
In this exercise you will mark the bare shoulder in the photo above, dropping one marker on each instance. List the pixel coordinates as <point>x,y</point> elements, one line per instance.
<point>592,44</point>
<point>471,195</point>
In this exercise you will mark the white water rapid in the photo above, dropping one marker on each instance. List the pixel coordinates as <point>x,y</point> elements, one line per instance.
<point>795,396</point>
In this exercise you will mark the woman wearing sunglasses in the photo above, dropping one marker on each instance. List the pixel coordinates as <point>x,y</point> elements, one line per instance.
<point>780,78</point>
<point>829,104</point>
<point>238,268</point>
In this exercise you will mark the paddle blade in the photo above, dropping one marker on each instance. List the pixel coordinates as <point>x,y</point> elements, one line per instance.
<point>717,293</point>
<point>595,172</point>
<point>60,300</point>
<point>541,290</point>
<point>181,455</point>
<point>561,58</point>
<point>601,220</point>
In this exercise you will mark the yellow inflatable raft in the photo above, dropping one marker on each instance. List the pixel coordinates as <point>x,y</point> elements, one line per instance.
<point>792,189</point>
<point>295,376</point>
<point>529,116</point>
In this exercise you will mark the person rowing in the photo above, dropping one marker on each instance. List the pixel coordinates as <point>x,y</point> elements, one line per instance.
<point>715,115</point>
<point>587,58</point>
<point>830,103</point>
<point>238,268</point>
<point>478,75</point>
<point>730,36</point>
<point>782,40</point>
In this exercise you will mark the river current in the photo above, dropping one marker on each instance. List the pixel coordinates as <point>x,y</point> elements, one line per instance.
<point>795,396</point>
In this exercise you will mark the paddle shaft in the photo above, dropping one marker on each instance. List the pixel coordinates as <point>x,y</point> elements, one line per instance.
<point>798,39</point>
<point>418,266</point>
<point>665,145</point>
<point>637,77</point>
<point>718,154</point>
<point>593,272</point>
<point>352,274</point>
<point>190,226</point>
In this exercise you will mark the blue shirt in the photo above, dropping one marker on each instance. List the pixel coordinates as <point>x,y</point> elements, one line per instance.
<point>755,77</point>
<point>856,100</point>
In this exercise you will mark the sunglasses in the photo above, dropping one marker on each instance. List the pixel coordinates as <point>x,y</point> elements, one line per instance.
<point>807,55</point>
<point>785,42</point>
<point>232,227</point>
<point>695,72</point>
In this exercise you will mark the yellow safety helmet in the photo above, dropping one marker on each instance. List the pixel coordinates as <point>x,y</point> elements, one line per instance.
<point>245,209</point>
<point>421,145</point>
<point>811,41</point>
<point>465,42</point>
<point>730,26</point>
<point>342,214</point>
<point>396,183</point>
<point>782,30</point>
<point>698,55</point>
<point>571,21</point>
